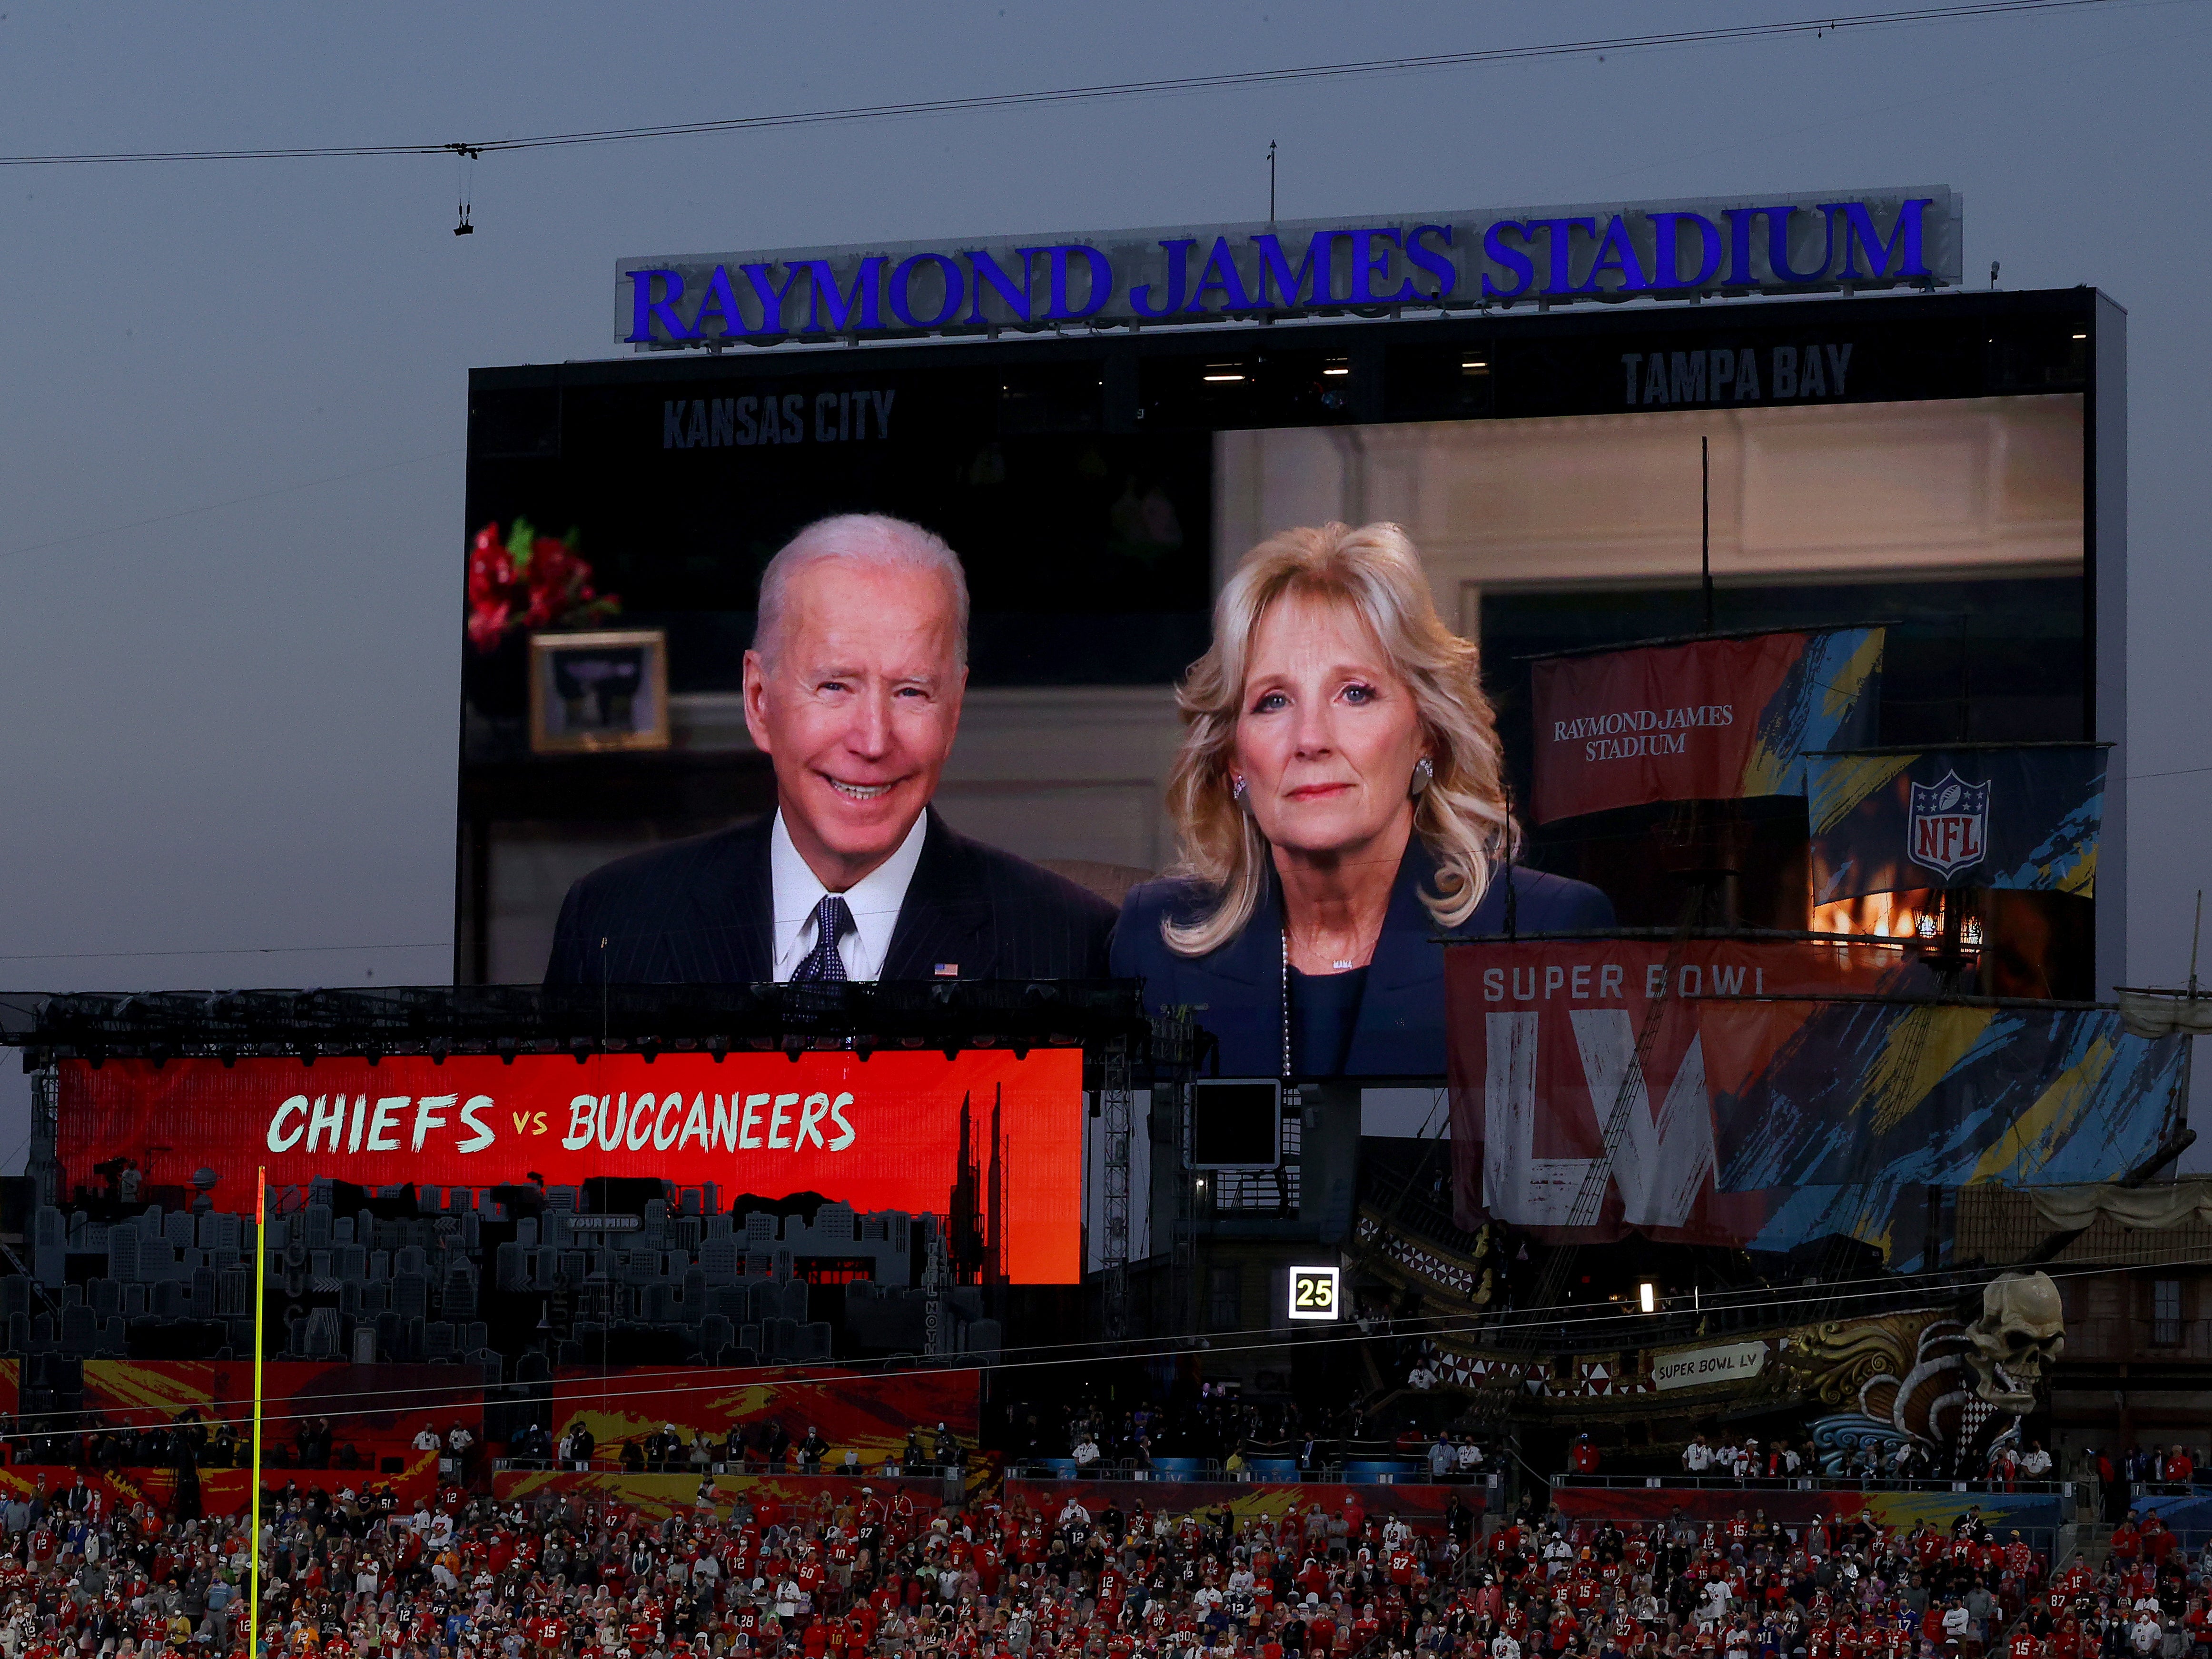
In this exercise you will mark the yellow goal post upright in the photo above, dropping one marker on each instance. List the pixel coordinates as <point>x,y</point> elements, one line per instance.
<point>260,1306</point>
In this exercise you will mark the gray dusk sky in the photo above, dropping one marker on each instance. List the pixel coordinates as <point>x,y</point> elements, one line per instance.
<point>231,450</point>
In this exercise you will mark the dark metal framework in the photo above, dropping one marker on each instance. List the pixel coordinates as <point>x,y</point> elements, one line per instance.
<point>1098,1016</point>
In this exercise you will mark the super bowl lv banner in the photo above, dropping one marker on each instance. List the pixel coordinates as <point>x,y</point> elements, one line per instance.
<point>2024,815</point>
<point>1548,1040</point>
<point>984,1131</point>
<point>1829,1108</point>
<point>1705,719</point>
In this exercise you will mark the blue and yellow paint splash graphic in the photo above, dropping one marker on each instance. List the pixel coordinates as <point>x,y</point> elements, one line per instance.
<point>1827,700</point>
<point>2043,820</point>
<point>1868,1105</point>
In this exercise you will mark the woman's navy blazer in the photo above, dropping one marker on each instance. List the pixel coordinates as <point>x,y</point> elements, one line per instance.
<point>1235,992</point>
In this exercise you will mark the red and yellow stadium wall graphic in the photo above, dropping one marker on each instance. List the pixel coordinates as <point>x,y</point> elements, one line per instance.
<point>380,1406</point>
<point>873,1415</point>
<point>223,1492</point>
<point>380,1409</point>
<point>660,1495</point>
<point>1420,1505</point>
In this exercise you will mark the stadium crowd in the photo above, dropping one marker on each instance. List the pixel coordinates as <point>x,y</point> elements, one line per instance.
<point>587,1576</point>
<point>1722,1458</point>
<point>1234,1433</point>
<point>82,1440</point>
<point>583,1575</point>
<point>1845,1589</point>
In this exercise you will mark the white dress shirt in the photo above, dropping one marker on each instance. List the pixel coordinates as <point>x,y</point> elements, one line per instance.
<point>874,901</point>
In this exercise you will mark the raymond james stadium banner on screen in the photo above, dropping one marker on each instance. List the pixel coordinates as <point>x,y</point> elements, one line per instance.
<point>1768,1124</point>
<point>983,1132</point>
<point>1705,720</point>
<point>2025,816</point>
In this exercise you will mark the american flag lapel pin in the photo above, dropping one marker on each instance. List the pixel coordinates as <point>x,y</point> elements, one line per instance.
<point>948,971</point>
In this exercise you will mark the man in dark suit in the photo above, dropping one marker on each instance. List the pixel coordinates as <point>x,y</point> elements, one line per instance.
<point>853,689</point>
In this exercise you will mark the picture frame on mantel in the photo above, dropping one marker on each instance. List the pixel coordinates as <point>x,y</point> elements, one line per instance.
<point>599,691</point>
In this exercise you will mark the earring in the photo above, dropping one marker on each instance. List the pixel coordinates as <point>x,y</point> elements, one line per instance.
<point>1424,774</point>
<point>1236,790</point>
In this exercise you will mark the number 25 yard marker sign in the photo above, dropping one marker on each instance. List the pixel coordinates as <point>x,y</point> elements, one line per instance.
<point>1314,1293</point>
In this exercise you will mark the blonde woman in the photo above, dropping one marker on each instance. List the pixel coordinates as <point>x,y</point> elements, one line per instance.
<point>1340,803</point>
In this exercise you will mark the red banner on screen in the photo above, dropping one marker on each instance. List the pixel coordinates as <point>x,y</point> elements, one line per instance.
<point>982,1133</point>
<point>1708,719</point>
<point>1548,1038</point>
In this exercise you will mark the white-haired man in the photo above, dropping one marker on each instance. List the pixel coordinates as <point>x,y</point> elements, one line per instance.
<point>853,689</point>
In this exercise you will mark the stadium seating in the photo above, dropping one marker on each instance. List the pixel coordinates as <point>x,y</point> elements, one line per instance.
<point>481,1278</point>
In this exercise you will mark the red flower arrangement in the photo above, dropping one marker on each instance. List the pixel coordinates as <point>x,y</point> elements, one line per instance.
<point>527,582</point>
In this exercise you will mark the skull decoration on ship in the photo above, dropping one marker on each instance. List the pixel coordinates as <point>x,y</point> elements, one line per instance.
<point>2018,1339</point>
<point>1957,1393</point>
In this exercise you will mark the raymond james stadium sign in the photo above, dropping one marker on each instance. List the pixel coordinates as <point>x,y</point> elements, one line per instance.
<point>1551,256</point>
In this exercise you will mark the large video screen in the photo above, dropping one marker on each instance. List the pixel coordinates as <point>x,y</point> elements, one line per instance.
<point>1912,465</point>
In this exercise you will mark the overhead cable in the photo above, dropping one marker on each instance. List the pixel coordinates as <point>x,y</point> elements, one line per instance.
<point>1232,81</point>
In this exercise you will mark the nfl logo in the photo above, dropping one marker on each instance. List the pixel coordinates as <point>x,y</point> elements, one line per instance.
<point>1949,828</point>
